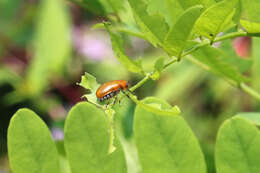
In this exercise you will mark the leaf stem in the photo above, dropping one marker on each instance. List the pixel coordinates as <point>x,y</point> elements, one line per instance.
<point>170,63</point>
<point>140,83</point>
<point>250,91</point>
<point>231,35</point>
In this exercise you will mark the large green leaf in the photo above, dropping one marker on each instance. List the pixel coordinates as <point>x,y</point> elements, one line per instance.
<point>154,26</point>
<point>175,40</point>
<point>166,144</point>
<point>118,47</point>
<point>215,61</point>
<point>52,45</point>
<point>237,147</point>
<point>87,142</point>
<point>30,145</point>
<point>216,18</point>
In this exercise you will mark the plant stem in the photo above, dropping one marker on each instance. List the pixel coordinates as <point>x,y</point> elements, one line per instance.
<point>250,91</point>
<point>231,35</point>
<point>140,83</point>
<point>243,86</point>
<point>170,63</point>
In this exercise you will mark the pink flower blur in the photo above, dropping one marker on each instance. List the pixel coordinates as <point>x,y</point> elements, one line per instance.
<point>94,45</point>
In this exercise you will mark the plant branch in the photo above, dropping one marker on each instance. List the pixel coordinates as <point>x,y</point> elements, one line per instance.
<point>140,83</point>
<point>242,86</point>
<point>247,89</point>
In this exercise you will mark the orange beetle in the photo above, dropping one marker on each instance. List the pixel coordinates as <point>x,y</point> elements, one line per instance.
<point>110,89</point>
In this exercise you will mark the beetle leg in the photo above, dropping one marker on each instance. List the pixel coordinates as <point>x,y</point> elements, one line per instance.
<point>115,100</point>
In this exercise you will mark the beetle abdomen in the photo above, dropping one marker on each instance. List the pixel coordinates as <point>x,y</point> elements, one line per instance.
<point>110,89</point>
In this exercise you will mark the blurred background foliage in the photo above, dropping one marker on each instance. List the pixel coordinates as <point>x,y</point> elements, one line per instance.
<point>46,45</point>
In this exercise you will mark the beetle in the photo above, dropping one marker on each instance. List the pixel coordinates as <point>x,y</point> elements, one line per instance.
<point>110,89</point>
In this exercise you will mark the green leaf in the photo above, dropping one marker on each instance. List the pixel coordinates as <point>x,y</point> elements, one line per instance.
<point>95,7</point>
<point>173,14</point>
<point>208,3</point>
<point>157,106</point>
<point>175,40</point>
<point>116,5</point>
<point>158,68</point>
<point>87,142</point>
<point>166,144</point>
<point>216,18</point>
<point>254,117</point>
<point>154,27</point>
<point>118,47</point>
<point>30,145</point>
<point>251,10</point>
<point>237,147</point>
<point>161,8</point>
<point>189,3</point>
<point>52,45</point>
<point>89,82</point>
<point>251,27</point>
<point>177,7</point>
<point>128,29</point>
<point>214,61</point>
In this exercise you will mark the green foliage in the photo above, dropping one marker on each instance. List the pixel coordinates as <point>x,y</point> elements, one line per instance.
<point>154,26</point>
<point>216,18</point>
<point>158,68</point>
<point>176,38</point>
<point>251,10</point>
<point>52,46</point>
<point>118,47</point>
<point>30,146</point>
<point>89,82</point>
<point>251,27</point>
<point>237,147</point>
<point>87,142</point>
<point>254,117</point>
<point>215,61</point>
<point>156,106</point>
<point>93,6</point>
<point>165,143</point>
